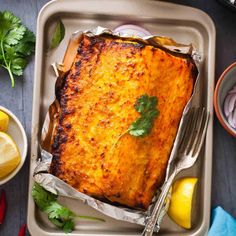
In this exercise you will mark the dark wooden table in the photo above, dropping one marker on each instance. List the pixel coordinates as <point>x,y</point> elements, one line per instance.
<point>19,100</point>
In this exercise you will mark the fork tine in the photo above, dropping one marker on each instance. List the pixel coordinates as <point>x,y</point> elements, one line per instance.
<point>197,132</point>
<point>184,139</point>
<point>193,131</point>
<point>203,130</point>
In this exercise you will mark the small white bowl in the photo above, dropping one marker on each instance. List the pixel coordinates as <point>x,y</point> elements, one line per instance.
<point>17,132</point>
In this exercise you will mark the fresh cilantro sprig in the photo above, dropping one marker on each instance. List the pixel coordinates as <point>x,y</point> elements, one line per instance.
<point>16,44</point>
<point>60,216</point>
<point>147,107</point>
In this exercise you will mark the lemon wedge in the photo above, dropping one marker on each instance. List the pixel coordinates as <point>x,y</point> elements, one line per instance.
<point>181,201</point>
<point>4,120</point>
<point>9,155</point>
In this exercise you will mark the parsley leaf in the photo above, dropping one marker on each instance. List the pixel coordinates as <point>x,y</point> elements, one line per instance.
<point>42,197</point>
<point>68,226</point>
<point>147,107</point>
<point>26,45</point>
<point>60,216</point>
<point>55,210</point>
<point>16,44</point>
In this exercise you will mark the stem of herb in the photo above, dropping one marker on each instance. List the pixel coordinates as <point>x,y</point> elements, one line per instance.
<point>8,67</point>
<point>90,218</point>
<point>3,66</point>
<point>119,137</point>
<point>11,76</point>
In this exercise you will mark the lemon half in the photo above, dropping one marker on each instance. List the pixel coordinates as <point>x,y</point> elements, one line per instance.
<point>181,201</point>
<point>9,155</point>
<point>4,121</point>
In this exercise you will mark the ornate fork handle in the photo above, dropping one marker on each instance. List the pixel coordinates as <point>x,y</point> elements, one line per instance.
<point>151,224</point>
<point>189,149</point>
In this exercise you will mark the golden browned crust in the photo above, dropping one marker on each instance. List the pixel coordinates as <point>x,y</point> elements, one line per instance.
<point>97,104</point>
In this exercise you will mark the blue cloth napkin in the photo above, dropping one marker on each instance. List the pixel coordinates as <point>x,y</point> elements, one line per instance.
<point>223,224</point>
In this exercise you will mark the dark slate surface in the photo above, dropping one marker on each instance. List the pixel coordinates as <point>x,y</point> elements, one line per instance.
<point>19,100</point>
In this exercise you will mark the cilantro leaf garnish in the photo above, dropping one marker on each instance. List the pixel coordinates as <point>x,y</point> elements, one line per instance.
<point>147,107</point>
<point>60,216</point>
<point>68,226</point>
<point>42,197</point>
<point>16,44</point>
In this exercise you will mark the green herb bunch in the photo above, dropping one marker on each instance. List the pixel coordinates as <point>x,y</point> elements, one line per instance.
<point>17,43</point>
<point>60,216</point>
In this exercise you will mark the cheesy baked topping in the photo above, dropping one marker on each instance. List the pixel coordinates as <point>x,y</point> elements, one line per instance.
<point>97,100</point>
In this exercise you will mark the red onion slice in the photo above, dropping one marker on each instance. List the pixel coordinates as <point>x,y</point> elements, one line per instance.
<point>230,107</point>
<point>232,91</point>
<point>231,120</point>
<point>226,104</point>
<point>132,31</point>
<point>232,102</point>
<point>234,118</point>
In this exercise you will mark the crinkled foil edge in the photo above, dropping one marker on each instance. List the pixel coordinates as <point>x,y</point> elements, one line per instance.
<point>57,186</point>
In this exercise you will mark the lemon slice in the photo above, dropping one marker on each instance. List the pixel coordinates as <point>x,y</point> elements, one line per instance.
<point>4,120</point>
<point>9,155</point>
<point>181,201</point>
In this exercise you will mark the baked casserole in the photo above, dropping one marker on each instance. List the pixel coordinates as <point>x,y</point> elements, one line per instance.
<point>96,100</point>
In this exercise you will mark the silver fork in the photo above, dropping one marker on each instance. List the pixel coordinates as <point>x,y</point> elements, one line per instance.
<point>191,140</point>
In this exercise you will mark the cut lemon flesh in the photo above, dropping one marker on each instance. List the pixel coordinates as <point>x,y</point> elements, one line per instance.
<point>9,155</point>
<point>4,121</point>
<point>181,201</point>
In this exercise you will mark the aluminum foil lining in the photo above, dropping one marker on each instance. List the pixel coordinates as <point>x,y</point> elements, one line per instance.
<point>53,184</point>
